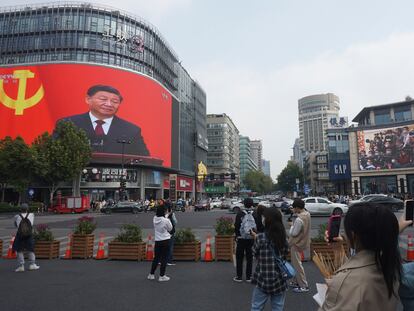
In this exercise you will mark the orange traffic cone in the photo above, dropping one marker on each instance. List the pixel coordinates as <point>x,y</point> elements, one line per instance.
<point>101,249</point>
<point>410,248</point>
<point>10,253</point>
<point>150,248</point>
<point>68,252</point>
<point>208,256</point>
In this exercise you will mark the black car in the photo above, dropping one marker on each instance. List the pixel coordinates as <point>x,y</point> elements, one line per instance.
<point>393,203</point>
<point>123,207</point>
<point>203,205</point>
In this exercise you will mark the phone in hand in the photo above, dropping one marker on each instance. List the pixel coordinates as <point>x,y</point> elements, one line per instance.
<point>409,210</point>
<point>334,225</point>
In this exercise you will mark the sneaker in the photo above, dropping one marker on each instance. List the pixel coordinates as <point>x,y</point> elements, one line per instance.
<point>237,279</point>
<point>293,284</point>
<point>19,269</point>
<point>301,289</point>
<point>163,278</point>
<point>170,264</point>
<point>151,277</point>
<point>249,280</point>
<point>33,266</point>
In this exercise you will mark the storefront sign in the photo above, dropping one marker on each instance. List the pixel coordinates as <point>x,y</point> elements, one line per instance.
<point>173,187</point>
<point>184,184</point>
<point>218,189</point>
<point>339,170</point>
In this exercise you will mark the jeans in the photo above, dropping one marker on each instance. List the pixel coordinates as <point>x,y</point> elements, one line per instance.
<point>20,258</point>
<point>244,246</point>
<point>259,300</point>
<point>161,253</point>
<point>170,249</point>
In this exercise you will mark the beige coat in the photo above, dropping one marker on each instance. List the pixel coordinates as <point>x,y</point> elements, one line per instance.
<point>302,240</point>
<point>359,286</point>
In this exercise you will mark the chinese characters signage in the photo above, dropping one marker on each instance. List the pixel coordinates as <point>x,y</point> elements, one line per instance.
<point>134,42</point>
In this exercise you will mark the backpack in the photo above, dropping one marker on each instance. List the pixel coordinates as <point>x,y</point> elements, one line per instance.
<point>248,223</point>
<point>25,227</point>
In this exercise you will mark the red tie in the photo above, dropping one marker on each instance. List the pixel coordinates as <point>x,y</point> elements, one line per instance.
<point>99,129</point>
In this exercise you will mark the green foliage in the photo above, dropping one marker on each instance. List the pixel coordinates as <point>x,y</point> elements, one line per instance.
<point>16,163</point>
<point>224,226</point>
<point>85,225</point>
<point>7,208</point>
<point>130,233</point>
<point>42,233</point>
<point>61,157</point>
<point>258,182</point>
<point>184,236</point>
<point>321,234</point>
<point>286,180</point>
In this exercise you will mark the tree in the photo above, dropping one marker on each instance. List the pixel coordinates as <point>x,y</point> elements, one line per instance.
<point>61,157</point>
<point>257,181</point>
<point>16,165</point>
<point>286,180</point>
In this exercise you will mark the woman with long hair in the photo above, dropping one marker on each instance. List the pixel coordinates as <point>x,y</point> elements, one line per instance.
<point>267,276</point>
<point>369,279</point>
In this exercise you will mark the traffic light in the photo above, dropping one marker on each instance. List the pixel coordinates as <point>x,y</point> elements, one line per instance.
<point>233,176</point>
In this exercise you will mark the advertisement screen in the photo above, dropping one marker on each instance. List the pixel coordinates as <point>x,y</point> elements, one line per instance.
<point>387,148</point>
<point>121,112</point>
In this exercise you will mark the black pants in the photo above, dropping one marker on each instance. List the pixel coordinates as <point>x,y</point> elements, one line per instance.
<point>161,254</point>
<point>244,246</point>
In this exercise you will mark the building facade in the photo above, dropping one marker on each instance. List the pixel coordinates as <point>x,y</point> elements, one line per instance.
<point>381,149</point>
<point>83,33</point>
<point>246,161</point>
<point>266,167</point>
<point>316,173</point>
<point>257,152</point>
<point>298,153</point>
<point>315,111</point>
<point>223,154</point>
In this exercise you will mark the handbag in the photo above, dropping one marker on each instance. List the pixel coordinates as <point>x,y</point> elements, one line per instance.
<point>286,269</point>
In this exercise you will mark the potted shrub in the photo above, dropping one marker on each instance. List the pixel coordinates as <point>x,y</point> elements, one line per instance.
<point>186,246</point>
<point>83,239</point>
<point>45,244</point>
<point>128,245</point>
<point>224,239</point>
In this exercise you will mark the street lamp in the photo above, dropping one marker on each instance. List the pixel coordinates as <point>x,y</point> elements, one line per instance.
<point>122,184</point>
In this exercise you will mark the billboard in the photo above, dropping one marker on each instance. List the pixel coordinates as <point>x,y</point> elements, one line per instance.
<point>386,148</point>
<point>121,111</point>
<point>339,170</point>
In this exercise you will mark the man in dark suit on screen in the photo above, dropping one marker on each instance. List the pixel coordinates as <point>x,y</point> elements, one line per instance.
<point>104,128</point>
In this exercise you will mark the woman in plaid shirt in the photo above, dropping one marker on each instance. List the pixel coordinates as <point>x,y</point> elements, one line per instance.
<point>267,277</point>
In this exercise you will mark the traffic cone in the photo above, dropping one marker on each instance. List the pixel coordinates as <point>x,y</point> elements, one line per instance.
<point>68,252</point>
<point>150,248</point>
<point>208,256</point>
<point>10,253</point>
<point>410,248</point>
<point>101,249</point>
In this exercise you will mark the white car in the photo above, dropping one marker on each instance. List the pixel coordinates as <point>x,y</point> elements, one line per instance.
<point>216,204</point>
<point>236,206</point>
<point>322,206</point>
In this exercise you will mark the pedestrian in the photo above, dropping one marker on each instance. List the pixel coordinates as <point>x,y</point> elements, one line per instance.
<point>244,225</point>
<point>162,226</point>
<point>267,276</point>
<point>173,219</point>
<point>258,215</point>
<point>24,241</point>
<point>369,279</point>
<point>299,242</point>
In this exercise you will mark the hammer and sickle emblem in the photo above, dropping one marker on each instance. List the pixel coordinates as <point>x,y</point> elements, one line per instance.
<point>21,103</point>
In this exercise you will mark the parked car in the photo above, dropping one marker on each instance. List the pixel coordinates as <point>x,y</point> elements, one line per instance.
<point>236,206</point>
<point>322,206</point>
<point>123,207</point>
<point>393,203</point>
<point>203,205</point>
<point>216,203</point>
<point>226,204</point>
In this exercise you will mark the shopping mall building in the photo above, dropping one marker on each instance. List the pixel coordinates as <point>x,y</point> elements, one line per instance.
<point>61,51</point>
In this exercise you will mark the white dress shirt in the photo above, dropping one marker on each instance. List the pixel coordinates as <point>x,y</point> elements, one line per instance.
<point>105,126</point>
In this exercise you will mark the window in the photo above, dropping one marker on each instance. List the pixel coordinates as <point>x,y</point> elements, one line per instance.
<point>402,113</point>
<point>323,201</point>
<point>382,116</point>
<point>310,201</point>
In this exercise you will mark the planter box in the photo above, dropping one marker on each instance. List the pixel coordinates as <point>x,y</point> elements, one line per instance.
<point>82,246</point>
<point>126,251</point>
<point>224,247</point>
<point>47,249</point>
<point>326,250</point>
<point>187,251</point>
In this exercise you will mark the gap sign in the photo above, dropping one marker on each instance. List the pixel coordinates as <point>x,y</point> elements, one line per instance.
<point>339,170</point>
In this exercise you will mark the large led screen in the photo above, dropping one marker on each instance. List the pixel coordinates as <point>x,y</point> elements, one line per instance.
<point>387,148</point>
<point>122,112</point>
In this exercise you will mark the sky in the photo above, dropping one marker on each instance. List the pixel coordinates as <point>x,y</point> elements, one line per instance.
<point>255,59</point>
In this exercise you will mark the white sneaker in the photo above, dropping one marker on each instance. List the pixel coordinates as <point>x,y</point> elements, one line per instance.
<point>19,269</point>
<point>151,277</point>
<point>33,266</point>
<point>163,278</point>
<point>170,264</point>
